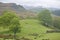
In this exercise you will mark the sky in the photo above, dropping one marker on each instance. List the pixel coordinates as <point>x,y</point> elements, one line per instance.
<point>35,3</point>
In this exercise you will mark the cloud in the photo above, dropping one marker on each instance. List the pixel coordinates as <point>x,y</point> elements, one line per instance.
<point>45,3</point>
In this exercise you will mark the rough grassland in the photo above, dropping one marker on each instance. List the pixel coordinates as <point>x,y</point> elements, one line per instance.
<point>31,26</point>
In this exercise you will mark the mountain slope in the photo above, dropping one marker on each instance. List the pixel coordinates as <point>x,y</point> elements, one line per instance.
<point>31,27</point>
<point>11,6</point>
<point>56,12</point>
<point>20,10</point>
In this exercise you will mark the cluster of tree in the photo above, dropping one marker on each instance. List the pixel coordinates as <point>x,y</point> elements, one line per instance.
<point>45,17</point>
<point>11,21</point>
<point>48,20</point>
<point>56,22</point>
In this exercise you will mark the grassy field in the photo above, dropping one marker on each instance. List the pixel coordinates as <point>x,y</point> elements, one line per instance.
<point>30,26</point>
<point>33,30</point>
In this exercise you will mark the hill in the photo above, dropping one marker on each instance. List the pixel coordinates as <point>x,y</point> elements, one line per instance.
<point>33,30</point>
<point>56,12</point>
<point>20,10</point>
<point>34,9</point>
<point>31,27</point>
<point>11,6</point>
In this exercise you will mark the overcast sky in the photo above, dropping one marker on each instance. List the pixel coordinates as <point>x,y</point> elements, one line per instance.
<point>45,3</point>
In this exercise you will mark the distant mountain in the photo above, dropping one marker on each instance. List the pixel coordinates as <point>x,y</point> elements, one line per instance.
<point>28,7</point>
<point>25,11</point>
<point>34,9</point>
<point>37,9</point>
<point>55,11</point>
<point>12,7</point>
<point>20,10</point>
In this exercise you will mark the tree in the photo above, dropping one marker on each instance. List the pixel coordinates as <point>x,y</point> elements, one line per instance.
<point>11,21</point>
<point>5,19</point>
<point>45,17</point>
<point>15,26</point>
<point>56,22</point>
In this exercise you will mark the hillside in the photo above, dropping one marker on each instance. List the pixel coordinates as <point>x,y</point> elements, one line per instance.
<point>12,7</point>
<point>34,9</point>
<point>56,12</point>
<point>20,10</point>
<point>31,26</point>
<point>33,30</point>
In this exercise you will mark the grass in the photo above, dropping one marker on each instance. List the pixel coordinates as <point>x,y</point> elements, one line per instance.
<point>30,26</point>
